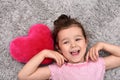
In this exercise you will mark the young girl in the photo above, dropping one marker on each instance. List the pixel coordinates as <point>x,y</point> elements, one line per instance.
<point>72,61</point>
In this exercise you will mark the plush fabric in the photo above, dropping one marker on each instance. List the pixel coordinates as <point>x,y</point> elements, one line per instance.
<point>24,48</point>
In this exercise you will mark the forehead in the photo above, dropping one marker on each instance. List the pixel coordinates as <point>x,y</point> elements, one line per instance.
<point>72,31</point>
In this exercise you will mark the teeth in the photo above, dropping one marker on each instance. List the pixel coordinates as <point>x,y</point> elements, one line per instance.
<point>75,52</point>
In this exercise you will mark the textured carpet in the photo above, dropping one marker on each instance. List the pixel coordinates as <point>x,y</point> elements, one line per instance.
<point>100,18</point>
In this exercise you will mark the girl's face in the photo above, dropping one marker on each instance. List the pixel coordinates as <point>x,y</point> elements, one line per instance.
<point>72,44</point>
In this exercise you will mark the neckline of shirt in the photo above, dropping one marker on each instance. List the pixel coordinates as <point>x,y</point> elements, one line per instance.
<point>76,64</point>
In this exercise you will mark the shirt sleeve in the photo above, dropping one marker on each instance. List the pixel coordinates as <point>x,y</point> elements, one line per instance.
<point>100,66</point>
<point>101,63</point>
<point>54,70</point>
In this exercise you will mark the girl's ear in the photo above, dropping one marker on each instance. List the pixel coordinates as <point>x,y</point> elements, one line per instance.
<point>57,48</point>
<point>86,41</point>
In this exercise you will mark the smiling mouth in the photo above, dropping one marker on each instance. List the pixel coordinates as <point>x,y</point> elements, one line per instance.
<point>74,53</point>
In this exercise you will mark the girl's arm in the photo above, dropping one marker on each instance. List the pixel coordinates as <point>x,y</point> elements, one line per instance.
<point>111,61</point>
<point>32,71</point>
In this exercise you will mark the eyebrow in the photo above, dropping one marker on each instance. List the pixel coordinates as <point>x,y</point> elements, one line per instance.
<point>79,36</point>
<point>64,39</point>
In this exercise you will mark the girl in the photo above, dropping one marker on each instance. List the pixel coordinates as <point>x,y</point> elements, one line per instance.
<point>72,62</point>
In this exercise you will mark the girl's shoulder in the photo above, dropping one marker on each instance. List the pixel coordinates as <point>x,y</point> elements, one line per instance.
<point>97,65</point>
<point>99,62</point>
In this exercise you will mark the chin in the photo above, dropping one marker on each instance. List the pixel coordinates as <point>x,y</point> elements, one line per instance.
<point>77,61</point>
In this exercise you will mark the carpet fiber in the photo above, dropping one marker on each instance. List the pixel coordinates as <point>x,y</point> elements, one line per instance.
<point>100,18</point>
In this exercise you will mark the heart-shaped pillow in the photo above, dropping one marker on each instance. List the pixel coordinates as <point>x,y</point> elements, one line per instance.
<point>24,48</point>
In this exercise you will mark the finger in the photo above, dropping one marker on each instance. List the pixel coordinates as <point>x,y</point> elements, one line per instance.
<point>65,59</point>
<point>87,56</point>
<point>97,54</point>
<point>92,54</point>
<point>61,59</point>
<point>57,59</point>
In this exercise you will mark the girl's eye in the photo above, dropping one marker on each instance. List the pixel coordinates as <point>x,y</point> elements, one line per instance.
<point>78,39</point>
<point>66,42</point>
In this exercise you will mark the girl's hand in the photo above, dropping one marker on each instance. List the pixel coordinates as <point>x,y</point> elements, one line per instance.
<point>58,57</point>
<point>93,52</point>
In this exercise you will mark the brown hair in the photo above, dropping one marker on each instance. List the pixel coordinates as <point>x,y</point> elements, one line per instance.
<point>64,22</point>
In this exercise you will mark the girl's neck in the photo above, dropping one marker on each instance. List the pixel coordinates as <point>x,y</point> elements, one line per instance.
<point>81,61</point>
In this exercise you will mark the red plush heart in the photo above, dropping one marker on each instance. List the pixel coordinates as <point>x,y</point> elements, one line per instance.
<point>24,48</point>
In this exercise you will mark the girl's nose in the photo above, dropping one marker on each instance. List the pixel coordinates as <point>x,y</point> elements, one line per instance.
<point>73,44</point>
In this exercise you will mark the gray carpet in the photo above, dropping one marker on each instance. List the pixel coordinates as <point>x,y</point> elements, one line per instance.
<point>100,18</point>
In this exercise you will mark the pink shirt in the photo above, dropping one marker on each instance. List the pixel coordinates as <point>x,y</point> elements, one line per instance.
<point>80,71</point>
